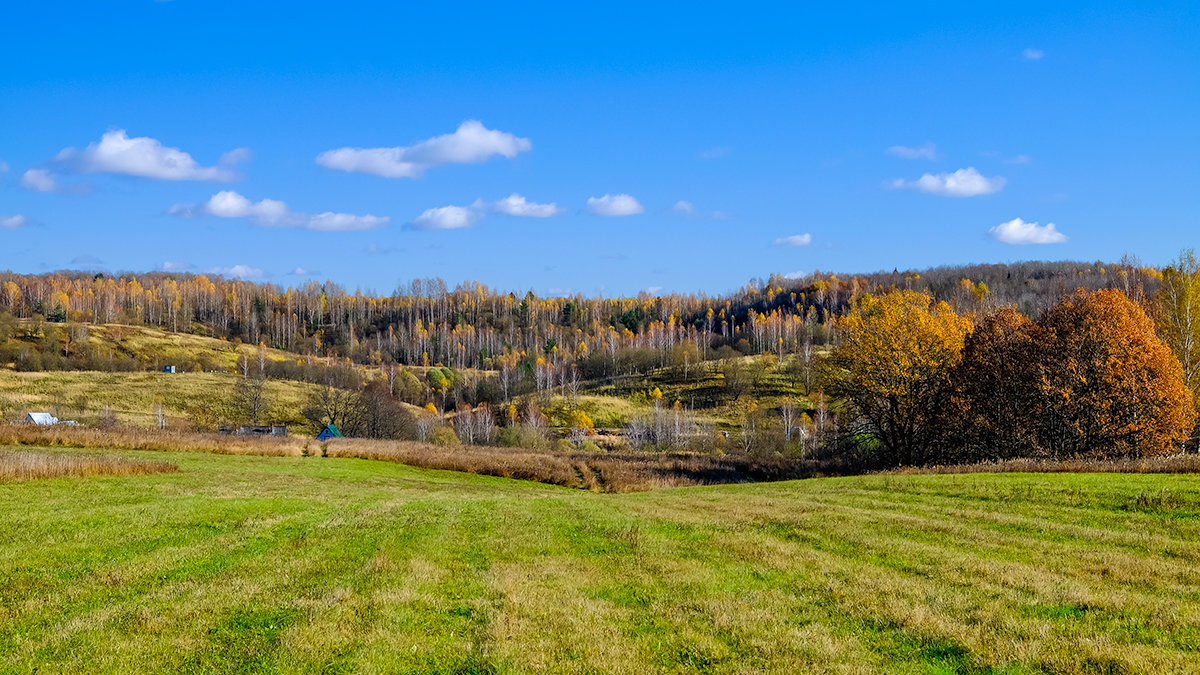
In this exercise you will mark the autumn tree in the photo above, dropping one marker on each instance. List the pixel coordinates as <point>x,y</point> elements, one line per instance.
<point>1109,385</point>
<point>893,366</point>
<point>1177,315</point>
<point>996,397</point>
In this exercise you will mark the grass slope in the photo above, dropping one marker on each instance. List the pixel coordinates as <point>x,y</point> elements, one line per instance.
<point>335,565</point>
<point>133,396</point>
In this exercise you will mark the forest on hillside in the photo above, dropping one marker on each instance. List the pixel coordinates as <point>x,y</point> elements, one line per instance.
<point>471,326</point>
<point>1050,360</point>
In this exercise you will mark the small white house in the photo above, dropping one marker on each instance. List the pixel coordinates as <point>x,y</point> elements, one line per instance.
<point>42,419</point>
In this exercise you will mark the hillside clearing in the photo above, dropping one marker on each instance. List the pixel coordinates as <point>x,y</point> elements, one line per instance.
<point>332,565</point>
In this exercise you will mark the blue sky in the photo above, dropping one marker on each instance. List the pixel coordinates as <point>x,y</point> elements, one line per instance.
<point>685,147</point>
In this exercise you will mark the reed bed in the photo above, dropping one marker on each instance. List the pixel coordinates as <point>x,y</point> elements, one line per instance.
<point>617,472</point>
<point>63,436</point>
<point>1180,463</point>
<point>23,465</point>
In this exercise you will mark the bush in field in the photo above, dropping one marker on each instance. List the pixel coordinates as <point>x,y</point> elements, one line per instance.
<point>443,436</point>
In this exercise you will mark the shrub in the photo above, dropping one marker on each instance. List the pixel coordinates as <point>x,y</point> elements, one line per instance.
<point>443,436</point>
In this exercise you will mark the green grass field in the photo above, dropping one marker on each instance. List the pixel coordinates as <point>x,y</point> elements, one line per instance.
<point>252,564</point>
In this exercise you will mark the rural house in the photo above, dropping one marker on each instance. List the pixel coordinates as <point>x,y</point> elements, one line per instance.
<point>330,431</point>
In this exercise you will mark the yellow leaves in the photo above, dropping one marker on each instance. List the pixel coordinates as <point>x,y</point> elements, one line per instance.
<point>657,394</point>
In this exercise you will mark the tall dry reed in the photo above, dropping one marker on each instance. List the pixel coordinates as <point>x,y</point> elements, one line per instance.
<point>24,465</point>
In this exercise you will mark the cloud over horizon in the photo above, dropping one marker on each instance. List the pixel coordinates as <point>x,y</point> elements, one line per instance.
<point>794,240</point>
<point>962,183</point>
<point>446,218</point>
<point>615,205</point>
<point>274,213</point>
<point>39,180</point>
<point>145,157</point>
<point>13,222</point>
<point>926,151</point>
<point>244,272</point>
<point>1019,232</point>
<point>517,205</point>
<point>471,143</point>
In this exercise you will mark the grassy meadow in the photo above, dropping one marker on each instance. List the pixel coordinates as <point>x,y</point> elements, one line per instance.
<point>133,397</point>
<point>310,564</point>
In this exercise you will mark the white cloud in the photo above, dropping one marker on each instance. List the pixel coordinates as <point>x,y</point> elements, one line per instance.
<point>794,275</point>
<point>1033,54</point>
<point>471,143</point>
<point>684,207</point>
<point>794,240</point>
<point>446,218</point>
<point>516,205</point>
<point>1017,231</point>
<point>962,183</point>
<point>614,205</point>
<point>1019,159</point>
<point>927,151</point>
<point>274,213</point>
<point>236,272</point>
<point>140,156</point>
<point>3,166</point>
<point>39,180</point>
<point>169,266</point>
<point>13,222</point>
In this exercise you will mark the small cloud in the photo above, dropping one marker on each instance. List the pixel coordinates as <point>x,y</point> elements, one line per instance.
<point>794,240</point>
<point>446,218</point>
<point>13,222</point>
<point>39,180</point>
<point>471,143</point>
<point>86,259</point>
<point>722,215</point>
<point>516,205</point>
<point>376,249</point>
<point>654,290</point>
<point>794,275</point>
<point>1019,159</point>
<point>684,207</point>
<point>926,151</point>
<point>1017,231</point>
<point>169,266</point>
<point>235,157</point>
<point>1032,54</point>
<point>237,272</point>
<point>305,272</point>
<point>142,156</point>
<point>962,183</point>
<point>714,153</point>
<point>3,166</point>
<point>274,213</point>
<point>615,205</point>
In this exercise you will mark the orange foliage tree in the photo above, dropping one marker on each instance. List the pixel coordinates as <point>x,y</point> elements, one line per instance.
<point>1089,378</point>
<point>893,366</point>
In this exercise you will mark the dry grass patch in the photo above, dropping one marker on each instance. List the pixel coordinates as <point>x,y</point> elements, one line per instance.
<point>34,465</point>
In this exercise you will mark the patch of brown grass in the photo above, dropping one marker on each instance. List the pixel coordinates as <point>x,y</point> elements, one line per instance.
<point>1183,463</point>
<point>625,472</point>
<point>600,472</point>
<point>63,436</point>
<point>23,465</point>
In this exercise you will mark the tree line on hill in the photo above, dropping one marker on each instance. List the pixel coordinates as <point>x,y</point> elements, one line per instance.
<point>473,327</point>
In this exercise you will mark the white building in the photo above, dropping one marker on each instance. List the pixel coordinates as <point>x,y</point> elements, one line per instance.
<point>42,419</point>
